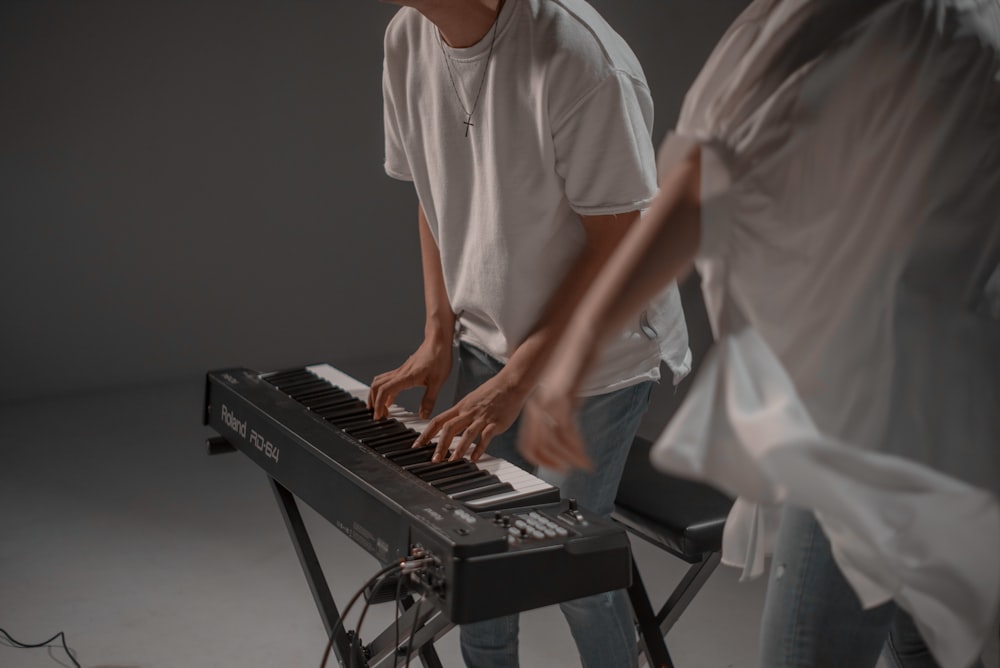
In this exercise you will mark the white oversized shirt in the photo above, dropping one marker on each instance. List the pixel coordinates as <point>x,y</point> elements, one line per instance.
<point>561,129</point>
<point>851,264</point>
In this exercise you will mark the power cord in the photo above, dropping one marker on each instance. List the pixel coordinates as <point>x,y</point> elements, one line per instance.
<point>22,645</point>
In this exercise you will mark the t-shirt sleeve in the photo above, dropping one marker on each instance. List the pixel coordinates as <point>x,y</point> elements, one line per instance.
<point>603,148</point>
<point>396,163</point>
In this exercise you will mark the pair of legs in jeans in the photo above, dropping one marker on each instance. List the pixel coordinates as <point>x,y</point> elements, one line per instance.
<point>812,617</point>
<point>602,624</point>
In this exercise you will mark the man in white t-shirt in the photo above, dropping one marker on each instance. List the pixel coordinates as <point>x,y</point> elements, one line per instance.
<point>525,128</point>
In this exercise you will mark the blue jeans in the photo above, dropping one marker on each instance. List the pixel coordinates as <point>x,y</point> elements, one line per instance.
<point>812,617</point>
<point>601,624</point>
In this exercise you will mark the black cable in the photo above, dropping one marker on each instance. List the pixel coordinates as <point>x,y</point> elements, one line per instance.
<point>395,623</point>
<point>364,611</point>
<point>22,645</point>
<point>336,627</point>
<point>413,631</point>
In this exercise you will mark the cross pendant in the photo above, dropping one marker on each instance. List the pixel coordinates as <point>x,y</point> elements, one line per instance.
<point>468,124</point>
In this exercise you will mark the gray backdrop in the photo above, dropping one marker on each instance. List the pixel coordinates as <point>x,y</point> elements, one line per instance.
<point>192,185</point>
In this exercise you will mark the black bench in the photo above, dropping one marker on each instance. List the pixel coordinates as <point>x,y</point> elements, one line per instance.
<point>683,518</point>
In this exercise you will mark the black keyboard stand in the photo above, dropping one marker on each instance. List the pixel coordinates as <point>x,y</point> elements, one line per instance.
<point>383,651</point>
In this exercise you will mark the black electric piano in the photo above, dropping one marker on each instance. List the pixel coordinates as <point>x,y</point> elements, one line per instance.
<point>497,539</point>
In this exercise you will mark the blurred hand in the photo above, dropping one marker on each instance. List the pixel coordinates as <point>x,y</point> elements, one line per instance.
<point>428,367</point>
<point>485,412</point>
<point>548,434</point>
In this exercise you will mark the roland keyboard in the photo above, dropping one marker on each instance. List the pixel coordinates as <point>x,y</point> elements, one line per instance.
<point>501,539</point>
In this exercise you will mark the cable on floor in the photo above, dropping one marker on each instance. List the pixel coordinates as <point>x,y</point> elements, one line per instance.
<point>23,645</point>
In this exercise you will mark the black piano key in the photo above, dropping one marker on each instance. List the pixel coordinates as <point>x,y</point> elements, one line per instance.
<point>376,442</point>
<point>450,470</point>
<point>333,404</point>
<point>394,446</point>
<point>468,484</point>
<point>345,403</point>
<point>489,490</point>
<point>303,385</point>
<point>336,394</point>
<point>417,469</point>
<point>412,455</point>
<point>346,412</point>
<point>313,402</point>
<point>352,420</point>
<point>316,396</point>
<point>303,394</point>
<point>289,374</point>
<point>384,426</point>
<point>462,476</point>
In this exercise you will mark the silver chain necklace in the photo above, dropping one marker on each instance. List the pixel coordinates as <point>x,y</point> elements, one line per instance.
<point>447,63</point>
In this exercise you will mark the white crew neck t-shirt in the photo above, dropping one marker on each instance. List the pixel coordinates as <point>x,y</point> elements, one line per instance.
<point>561,128</point>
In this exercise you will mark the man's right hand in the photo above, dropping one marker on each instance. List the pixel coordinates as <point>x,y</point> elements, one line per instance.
<point>428,367</point>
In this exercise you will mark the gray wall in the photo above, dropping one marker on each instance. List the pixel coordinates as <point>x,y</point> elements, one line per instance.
<point>191,185</point>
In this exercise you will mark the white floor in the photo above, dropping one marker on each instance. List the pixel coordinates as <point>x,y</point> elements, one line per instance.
<point>116,528</point>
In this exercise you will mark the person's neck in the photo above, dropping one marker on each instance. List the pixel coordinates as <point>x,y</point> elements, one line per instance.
<point>461,23</point>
